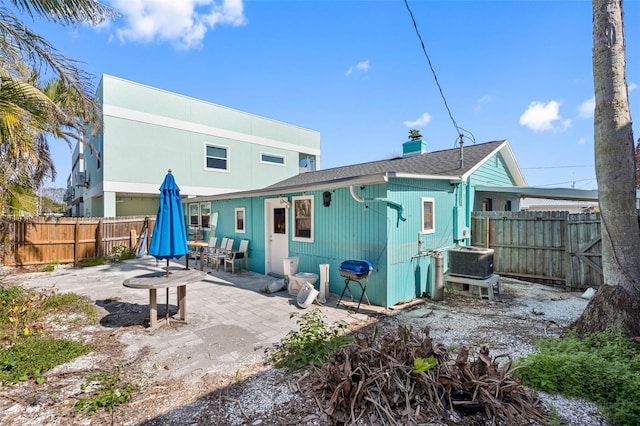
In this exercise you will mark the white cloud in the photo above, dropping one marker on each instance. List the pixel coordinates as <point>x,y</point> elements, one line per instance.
<point>482,102</point>
<point>540,116</point>
<point>581,141</point>
<point>360,66</point>
<point>586,109</point>
<point>422,121</point>
<point>632,86</point>
<point>183,22</point>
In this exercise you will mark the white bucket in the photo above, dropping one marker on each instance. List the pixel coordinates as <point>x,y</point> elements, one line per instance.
<point>306,295</point>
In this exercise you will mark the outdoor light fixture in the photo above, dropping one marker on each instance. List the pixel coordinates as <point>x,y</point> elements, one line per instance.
<point>326,198</point>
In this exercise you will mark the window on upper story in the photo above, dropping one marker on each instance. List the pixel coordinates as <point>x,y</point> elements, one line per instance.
<point>240,222</point>
<point>303,219</point>
<point>216,157</point>
<point>428,216</point>
<point>271,159</point>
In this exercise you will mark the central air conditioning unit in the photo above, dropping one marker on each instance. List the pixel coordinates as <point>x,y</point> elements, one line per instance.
<point>471,262</point>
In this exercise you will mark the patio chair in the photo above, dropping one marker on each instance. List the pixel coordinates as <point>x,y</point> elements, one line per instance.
<point>225,247</point>
<point>237,256</point>
<point>210,249</point>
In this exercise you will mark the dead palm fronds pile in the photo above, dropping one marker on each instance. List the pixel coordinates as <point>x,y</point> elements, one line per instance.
<point>404,378</point>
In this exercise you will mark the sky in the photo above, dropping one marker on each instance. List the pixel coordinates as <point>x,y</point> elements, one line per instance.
<point>356,71</point>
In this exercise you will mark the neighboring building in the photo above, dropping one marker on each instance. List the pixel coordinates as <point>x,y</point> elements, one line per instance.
<point>394,213</point>
<point>571,206</point>
<point>211,150</point>
<point>76,183</point>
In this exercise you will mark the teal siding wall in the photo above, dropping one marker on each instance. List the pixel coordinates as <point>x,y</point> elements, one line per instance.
<point>347,229</point>
<point>493,172</point>
<point>408,275</point>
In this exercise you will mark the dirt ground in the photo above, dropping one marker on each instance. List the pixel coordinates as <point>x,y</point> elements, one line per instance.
<point>267,396</point>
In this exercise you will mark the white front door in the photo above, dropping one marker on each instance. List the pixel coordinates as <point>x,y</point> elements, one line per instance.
<point>277,236</point>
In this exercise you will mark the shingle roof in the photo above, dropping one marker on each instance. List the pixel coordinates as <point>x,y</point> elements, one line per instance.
<point>437,163</point>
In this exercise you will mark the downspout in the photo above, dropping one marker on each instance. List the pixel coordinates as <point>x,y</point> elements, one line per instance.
<point>392,204</point>
<point>467,213</point>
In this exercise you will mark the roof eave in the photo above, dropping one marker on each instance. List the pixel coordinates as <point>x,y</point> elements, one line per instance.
<point>331,184</point>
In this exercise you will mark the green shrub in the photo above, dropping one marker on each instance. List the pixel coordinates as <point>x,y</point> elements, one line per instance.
<point>31,357</point>
<point>602,367</point>
<point>121,253</point>
<point>311,344</point>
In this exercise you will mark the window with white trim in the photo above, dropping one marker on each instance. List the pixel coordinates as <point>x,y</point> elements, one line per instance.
<point>216,157</point>
<point>302,219</point>
<point>428,216</point>
<point>266,158</point>
<point>240,220</point>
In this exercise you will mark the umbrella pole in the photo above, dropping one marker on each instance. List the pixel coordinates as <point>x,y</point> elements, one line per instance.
<point>166,306</point>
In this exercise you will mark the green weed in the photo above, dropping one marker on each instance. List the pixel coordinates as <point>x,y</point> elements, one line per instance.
<point>31,357</point>
<point>50,267</point>
<point>105,390</point>
<point>603,367</point>
<point>311,344</point>
<point>91,261</point>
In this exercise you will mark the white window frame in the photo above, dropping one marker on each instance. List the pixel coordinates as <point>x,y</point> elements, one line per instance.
<point>284,159</point>
<point>244,220</point>
<point>433,215</point>
<point>295,217</point>
<point>227,159</point>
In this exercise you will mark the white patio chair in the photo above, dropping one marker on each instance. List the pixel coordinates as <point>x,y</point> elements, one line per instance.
<point>219,257</point>
<point>210,249</point>
<point>237,256</point>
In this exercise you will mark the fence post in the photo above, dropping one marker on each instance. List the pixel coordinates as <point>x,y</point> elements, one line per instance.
<point>76,241</point>
<point>99,243</point>
<point>567,246</point>
<point>486,236</point>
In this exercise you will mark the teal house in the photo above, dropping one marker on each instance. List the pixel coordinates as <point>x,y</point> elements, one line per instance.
<point>395,213</point>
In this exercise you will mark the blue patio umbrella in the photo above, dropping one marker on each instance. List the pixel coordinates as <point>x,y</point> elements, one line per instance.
<point>169,238</point>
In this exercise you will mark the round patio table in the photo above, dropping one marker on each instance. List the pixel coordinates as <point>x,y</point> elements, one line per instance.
<point>154,281</point>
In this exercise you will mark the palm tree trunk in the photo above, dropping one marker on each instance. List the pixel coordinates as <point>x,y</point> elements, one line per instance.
<point>617,302</point>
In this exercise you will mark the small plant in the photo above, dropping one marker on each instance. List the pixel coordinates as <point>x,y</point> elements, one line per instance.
<point>105,390</point>
<point>237,377</point>
<point>120,253</point>
<point>602,367</point>
<point>311,344</point>
<point>265,290</point>
<point>420,365</point>
<point>50,267</point>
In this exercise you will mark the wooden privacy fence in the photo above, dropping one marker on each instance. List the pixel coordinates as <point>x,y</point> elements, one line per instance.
<point>68,239</point>
<point>547,247</point>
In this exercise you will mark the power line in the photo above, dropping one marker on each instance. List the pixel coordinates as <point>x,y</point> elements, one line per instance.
<point>459,129</point>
